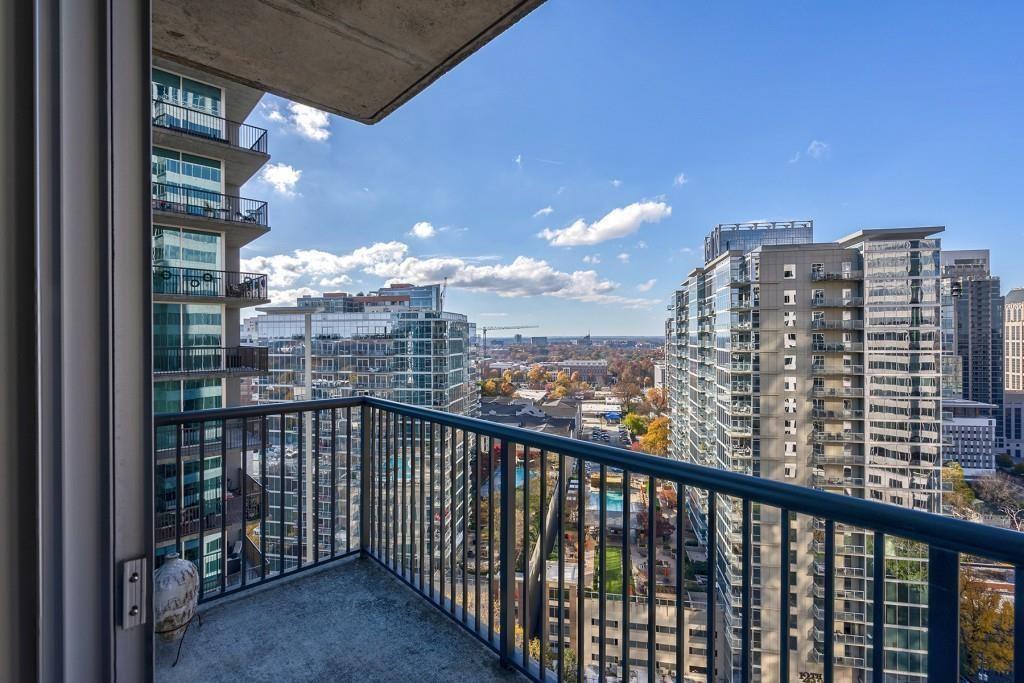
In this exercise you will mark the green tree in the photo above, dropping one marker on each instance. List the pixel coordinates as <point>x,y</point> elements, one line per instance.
<point>958,497</point>
<point>635,423</point>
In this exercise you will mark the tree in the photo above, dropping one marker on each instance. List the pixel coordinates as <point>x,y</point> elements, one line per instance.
<point>959,497</point>
<point>635,423</point>
<point>657,400</point>
<point>537,374</point>
<point>1002,493</point>
<point>506,377</point>
<point>626,391</point>
<point>655,441</point>
<point>986,627</point>
<point>489,388</point>
<point>507,389</point>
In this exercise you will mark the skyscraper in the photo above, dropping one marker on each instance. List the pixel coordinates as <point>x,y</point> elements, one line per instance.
<point>975,326</point>
<point>202,154</point>
<point>1013,412</point>
<point>815,364</point>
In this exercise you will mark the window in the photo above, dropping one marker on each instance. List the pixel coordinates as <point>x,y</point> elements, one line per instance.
<point>789,318</point>
<point>789,362</point>
<point>789,297</point>
<point>790,427</point>
<point>790,449</point>
<point>789,383</point>
<point>790,340</point>
<point>789,405</point>
<point>790,471</point>
<point>789,271</point>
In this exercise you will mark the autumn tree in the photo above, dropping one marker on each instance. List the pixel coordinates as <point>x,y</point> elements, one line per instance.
<point>655,441</point>
<point>489,388</point>
<point>506,377</point>
<point>1003,494</point>
<point>626,392</point>
<point>656,399</point>
<point>958,497</point>
<point>537,374</point>
<point>507,389</point>
<point>986,627</point>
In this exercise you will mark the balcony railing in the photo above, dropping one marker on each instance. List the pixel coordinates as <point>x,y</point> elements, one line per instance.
<point>210,360</point>
<point>205,125</point>
<point>200,282</point>
<point>444,502</point>
<point>190,201</point>
<point>820,276</point>
<point>821,324</point>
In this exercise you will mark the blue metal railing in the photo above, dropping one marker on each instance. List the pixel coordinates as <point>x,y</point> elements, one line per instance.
<point>447,504</point>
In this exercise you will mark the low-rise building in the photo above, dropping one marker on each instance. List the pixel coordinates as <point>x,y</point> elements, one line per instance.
<point>969,434</point>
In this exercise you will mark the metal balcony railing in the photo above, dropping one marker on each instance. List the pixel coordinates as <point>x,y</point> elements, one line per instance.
<point>200,282</point>
<point>821,324</point>
<point>210,360</point>
<point>820,276</point>
<point>444,502</point>
<point>205,125</point>
<point>190,201</point>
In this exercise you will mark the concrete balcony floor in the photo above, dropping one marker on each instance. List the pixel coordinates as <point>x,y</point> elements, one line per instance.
<point>350,621</point>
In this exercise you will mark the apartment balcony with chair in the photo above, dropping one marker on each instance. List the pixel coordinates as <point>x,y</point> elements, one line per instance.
<point>241,220</point>
<point>242,147</point>
<point>200,285</point>
<point>422,550</point>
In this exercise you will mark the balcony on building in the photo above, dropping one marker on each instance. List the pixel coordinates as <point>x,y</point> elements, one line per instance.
<point>240,146</point>
<point>240,219</point>
<point>193,362</point>
<point>200,286</point>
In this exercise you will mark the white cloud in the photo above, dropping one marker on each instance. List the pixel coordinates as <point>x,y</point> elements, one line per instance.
<point>680,179</point>
<point>423,230</point>
<point>617,223</point>
<point>795,158</point>
<point>276,115</point>
<point>687,250</point>
<point>592,259</point>
<point>624,257</point>
<point>647,286</point>
<point>285,270</point>
<point>282,177</point>
<point>524,276</point>
<point>546,211</point>
<point>309,122</point>
<point>519,160</point>
<point>616,182</point>
<point>641,245</point>
<point>492,315</point>
<point>817,149</point>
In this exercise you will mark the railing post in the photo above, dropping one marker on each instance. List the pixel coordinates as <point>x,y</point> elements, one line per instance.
<point>505,552</point>
<point>365,488</point>
<point>943,613</point>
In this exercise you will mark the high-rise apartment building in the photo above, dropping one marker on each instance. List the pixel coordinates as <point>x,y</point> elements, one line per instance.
<point>202,154</point>
<point>395,343</point>
<point>815,364</point>
<point>973,326</point>
<point>1013,347</point>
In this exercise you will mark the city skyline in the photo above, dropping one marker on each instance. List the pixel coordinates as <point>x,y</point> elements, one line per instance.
<point>487,181</point>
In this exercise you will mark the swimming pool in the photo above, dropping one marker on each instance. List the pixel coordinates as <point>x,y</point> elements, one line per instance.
<point>613,499</point>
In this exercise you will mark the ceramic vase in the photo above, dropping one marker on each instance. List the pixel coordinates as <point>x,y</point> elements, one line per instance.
<point>175,596</point>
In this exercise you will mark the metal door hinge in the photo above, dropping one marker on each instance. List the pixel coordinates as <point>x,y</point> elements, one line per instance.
<point>134,593</point>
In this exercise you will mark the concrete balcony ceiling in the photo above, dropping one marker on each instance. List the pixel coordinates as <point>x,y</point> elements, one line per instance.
<point>360,60</point>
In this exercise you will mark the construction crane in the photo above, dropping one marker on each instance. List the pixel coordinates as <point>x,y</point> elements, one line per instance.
<point>483,355</point>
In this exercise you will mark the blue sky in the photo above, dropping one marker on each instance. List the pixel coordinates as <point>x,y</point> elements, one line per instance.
<point>640,125</point>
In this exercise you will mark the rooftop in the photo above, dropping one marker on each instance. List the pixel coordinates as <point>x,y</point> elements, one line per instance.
<point>351,620</point>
